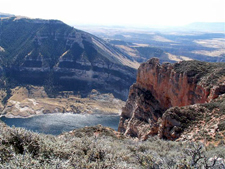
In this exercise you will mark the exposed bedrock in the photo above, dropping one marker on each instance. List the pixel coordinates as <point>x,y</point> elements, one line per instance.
<point>160,87</point>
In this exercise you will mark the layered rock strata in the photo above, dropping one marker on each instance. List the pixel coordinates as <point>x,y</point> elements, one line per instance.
<point>160,87</point>
<point>52,54</point>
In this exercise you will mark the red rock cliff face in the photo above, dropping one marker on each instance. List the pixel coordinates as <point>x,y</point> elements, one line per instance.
<point>169,87</point>
<point>160,87</point>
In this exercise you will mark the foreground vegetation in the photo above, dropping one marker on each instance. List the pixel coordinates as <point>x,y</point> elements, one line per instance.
<point>99,147</point>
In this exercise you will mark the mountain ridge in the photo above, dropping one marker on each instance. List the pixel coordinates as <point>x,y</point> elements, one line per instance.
<point>64,57</point>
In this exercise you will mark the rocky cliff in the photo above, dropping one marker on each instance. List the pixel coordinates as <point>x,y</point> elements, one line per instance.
<point>159,88</point>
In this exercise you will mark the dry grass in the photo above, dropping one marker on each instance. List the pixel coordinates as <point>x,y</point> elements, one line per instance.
<point>2,49</point>
<point>185,58</point>
<point>173,57</point>
<point>141,45</point>
<point>218,43</point>
<point>130,51</point>
<point>161,39</point>
<point>214,53</point>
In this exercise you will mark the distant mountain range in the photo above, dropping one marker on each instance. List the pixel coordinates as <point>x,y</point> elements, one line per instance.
<point>2,15</point>
<point>60,57</point>
<point>206,26</point>
<point>198,41</point>
<point>212,27</point>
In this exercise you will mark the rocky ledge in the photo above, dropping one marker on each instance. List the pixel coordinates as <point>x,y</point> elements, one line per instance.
<point>169,99</point>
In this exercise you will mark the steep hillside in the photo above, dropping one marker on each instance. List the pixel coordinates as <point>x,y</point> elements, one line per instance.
<point>160,87</point>
<point>63,58</point>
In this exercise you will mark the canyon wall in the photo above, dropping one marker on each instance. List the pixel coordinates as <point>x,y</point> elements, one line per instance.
<point>160,87</point>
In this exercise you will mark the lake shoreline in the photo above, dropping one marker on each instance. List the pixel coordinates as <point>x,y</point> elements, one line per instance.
<point>34,115</point>
<point>58,123</point>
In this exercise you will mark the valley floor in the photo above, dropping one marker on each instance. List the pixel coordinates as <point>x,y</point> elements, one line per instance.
<point>33,100</point>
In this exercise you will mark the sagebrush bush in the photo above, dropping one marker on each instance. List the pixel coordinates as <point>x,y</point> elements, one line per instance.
<point>221,126</point>
<point>20,148</point>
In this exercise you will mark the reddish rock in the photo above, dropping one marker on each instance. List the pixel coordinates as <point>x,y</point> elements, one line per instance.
<point>160,87</point>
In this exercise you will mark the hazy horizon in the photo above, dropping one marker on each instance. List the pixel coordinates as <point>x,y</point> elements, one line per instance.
<point>142,13</point>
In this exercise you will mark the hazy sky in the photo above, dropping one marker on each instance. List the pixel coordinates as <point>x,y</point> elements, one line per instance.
<point>119,12</point>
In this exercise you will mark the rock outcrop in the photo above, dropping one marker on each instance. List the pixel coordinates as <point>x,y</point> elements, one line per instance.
<point>160,87</point>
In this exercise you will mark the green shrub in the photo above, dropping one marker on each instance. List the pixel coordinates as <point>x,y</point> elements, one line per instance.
<point>221,126</point>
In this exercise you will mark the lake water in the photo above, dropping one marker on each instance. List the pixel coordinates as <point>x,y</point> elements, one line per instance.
<point>57,123</point>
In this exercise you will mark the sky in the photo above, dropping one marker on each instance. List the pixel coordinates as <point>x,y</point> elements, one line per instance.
<point>120,12</point>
